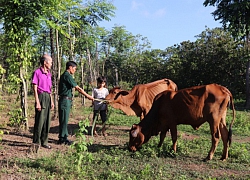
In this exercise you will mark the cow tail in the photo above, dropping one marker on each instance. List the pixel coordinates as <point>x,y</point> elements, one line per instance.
<point>230,132</point>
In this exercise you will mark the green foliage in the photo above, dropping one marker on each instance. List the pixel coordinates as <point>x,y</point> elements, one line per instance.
<point>16,119</point>
<point>117,117</point>
<point>232,14</point>
<point>1,135</point>
<point>125,85</point>
<point>240,152</point>
<point>2,70</point>
<point>242,118</point>
<point>80,147</point>
<point>213,58</point>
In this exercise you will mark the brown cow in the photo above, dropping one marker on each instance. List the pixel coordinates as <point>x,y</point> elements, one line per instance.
<point>138,101</point>
<point>193,106</point>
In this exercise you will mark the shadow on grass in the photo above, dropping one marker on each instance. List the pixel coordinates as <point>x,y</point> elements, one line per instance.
<point>15,143</point>
<point>94,148</point>
<point>71,129</point>
<point>21,134</point>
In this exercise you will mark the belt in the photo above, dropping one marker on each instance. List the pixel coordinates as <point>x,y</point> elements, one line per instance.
<point>66,97</point>
<point>43,92</point>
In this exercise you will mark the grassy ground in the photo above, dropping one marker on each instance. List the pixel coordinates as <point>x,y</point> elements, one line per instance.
<point>108,157</point>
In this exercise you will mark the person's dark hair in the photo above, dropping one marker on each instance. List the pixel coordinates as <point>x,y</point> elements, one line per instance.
<point>70,63</point>
<point>101,79</point>
<point>42,59</point>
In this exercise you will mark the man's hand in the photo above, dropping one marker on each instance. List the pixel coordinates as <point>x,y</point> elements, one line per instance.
<point>38,106</point>
<point>90,97</point>
<point>52,106</point>
<point>80,90</point>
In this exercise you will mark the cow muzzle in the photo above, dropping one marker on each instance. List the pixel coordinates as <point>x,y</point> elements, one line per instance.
<point>132,148</point>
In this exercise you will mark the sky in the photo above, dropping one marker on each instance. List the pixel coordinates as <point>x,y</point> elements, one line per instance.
<point>163,22</point>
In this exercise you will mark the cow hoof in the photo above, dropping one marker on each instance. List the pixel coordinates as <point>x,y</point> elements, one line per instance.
<point>206,160</point>
<point>223,159</point>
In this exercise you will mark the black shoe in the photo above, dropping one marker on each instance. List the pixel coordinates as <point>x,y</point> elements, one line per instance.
<point>61,142</point>
<point>47,146</point>
<point>68,142</point>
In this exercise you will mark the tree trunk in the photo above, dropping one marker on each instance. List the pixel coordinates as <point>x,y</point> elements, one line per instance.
<point>82,78</point>
<point>247,104</point>
<point>24,99</point>
<point>90,65</point>
<point>116,77</point>
<point>54,73</point>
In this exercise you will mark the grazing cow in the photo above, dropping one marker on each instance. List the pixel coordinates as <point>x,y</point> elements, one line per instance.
<point>138,101</point>
<point>192,106</point>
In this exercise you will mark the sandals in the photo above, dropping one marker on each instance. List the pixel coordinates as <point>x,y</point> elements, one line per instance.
<point>95,133</point>
<point>104,134</point>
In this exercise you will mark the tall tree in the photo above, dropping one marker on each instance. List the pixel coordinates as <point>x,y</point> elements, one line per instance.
<point>119,43</point>
<point>20,19</point>
<point>235,15</point>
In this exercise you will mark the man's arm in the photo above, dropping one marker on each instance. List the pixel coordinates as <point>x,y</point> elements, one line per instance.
<point>80,90</point>
<point>52,102</point>
<point>38,105</point>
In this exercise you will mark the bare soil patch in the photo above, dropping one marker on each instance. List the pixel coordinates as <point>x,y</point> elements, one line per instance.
<point>19,144</point>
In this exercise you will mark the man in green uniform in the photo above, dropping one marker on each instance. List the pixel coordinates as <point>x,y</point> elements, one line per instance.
<point>66,84</point>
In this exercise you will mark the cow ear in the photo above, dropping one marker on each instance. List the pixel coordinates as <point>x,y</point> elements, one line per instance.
<point>133,126</point>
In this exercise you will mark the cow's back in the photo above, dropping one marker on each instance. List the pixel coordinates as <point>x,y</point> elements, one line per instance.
<point>145,93</point>
<point>194,105</point>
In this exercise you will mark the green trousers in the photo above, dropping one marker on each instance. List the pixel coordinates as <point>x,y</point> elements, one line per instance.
<point>64,106</point>
<point>42,120</point>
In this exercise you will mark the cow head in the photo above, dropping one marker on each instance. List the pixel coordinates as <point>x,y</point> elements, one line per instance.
<point>136,138</point>
<point>114,93</point>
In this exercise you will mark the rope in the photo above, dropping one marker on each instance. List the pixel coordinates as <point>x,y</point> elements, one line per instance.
<point>101,100</point>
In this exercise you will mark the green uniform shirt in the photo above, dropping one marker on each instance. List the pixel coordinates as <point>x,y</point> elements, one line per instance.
<point>66,84</point>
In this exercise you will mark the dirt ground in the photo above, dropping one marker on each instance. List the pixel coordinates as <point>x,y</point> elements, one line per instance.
<point>19,144</point>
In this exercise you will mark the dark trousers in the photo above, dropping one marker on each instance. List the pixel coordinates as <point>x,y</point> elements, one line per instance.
<point>42,120</point>
<point>64,106</point>
<point>103,114</point>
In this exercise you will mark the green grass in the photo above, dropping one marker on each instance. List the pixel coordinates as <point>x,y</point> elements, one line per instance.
<point>150,162</point>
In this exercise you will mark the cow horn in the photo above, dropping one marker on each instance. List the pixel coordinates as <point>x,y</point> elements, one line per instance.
<point>134,133</point>
<point>167,81</point>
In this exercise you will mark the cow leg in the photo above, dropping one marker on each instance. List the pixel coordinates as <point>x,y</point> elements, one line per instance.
<point>215,140</point>
<point>173,131</point>
<point>162,137</point>
<point>224,137</point>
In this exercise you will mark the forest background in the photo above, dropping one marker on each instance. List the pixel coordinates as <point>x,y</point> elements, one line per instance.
<point>68,30</point>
